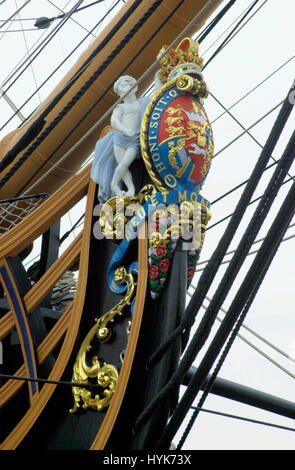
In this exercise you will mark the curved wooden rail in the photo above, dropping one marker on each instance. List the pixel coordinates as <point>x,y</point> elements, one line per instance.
<point>43,286</point>
<point>36,223</point>
<point>72,325</point>
<point>22,327</point>
<point>11,387</point>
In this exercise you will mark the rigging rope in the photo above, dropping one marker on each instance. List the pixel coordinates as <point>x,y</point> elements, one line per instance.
<point>15,13</point>
<point>215,21</point>
<point>254,88</point>
<point>262,353</point>
<point>27,48</point>
<point>238,186</point>
<point>50,37</point>
<point>47,381</point>
<point>250,127</point>
<point>66,234</point>
<point>61,63</point>
<point>271,345</point>
<point>237,102</point>
<point>73,19</point>
<point>105,41</point>
<point>243,418</point>
<point>243,25</point>
<point>236,312</point>
<point>250,253</point>
<point>251,202</point>
<point>37,126</point>
<point>230,34</point>
<point>18,30</point>
<point>20,63</point>
<point>222,34</point>
<point>222,290</point>
<point>63,14</point>
<point>227,110</point>
<point>34,128</point>
<point>241,125</point>
<point>212,267</point>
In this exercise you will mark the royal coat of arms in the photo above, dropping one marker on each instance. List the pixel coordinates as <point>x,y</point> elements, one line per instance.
<point>176,135</point>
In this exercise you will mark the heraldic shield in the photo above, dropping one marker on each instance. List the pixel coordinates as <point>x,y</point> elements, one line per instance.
<point>176,138</point>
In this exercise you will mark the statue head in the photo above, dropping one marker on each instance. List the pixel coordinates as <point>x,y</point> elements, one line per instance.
<point>125,84</point>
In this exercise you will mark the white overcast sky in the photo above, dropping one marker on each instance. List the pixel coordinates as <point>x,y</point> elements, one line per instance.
<point>262,46</point>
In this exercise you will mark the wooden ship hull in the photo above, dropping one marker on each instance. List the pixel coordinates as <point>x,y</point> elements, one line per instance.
<point>43,343</point>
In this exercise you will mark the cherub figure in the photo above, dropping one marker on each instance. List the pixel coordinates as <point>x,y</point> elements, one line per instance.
<point>115,152</point>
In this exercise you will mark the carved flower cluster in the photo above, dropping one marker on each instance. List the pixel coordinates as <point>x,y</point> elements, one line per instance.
<point>160,259</point>
<point>159,263</point>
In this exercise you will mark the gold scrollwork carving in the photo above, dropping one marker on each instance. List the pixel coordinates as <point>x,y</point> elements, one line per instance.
<point>121,276</point>
<point>107,378</point>
<point>186,219</point>
<point>186,83</point>
<point>117,211</point>
<point>106,374</point>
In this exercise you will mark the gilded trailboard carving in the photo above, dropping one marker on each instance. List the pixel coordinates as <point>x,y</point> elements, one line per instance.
<point>105,374</point>
<point>176,143</point>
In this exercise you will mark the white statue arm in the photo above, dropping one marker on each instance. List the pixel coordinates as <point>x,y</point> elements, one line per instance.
<point>116,122</point>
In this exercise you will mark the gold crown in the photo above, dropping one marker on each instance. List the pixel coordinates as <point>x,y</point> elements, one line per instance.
<point>184,59</point>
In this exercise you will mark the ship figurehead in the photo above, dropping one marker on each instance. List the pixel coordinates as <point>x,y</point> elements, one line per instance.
<point>176,135</point>
<point>177,147</point>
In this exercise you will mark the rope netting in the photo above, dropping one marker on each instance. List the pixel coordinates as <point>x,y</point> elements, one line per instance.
<point>12,211</point>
